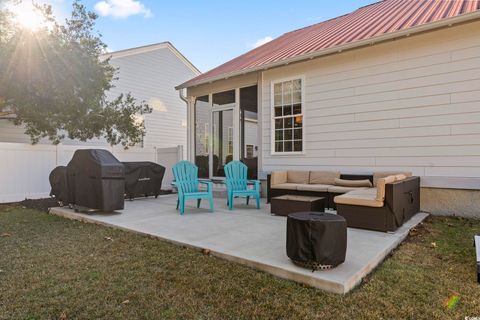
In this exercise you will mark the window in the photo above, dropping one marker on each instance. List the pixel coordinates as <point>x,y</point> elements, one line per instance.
<point>288,116</point>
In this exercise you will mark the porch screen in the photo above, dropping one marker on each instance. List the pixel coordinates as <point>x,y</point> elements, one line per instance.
<point>202,136</point>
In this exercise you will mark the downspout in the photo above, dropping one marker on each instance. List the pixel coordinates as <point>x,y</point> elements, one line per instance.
<point>182,96</point>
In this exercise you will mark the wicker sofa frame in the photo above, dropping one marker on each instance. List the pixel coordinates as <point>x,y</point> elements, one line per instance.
<point>402,202</point>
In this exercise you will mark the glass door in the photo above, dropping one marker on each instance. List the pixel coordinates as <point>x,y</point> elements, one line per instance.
<point>222,141</point>
<point>223,105</point>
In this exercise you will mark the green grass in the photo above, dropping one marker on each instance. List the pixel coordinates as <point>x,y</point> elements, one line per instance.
<point>53,268</point>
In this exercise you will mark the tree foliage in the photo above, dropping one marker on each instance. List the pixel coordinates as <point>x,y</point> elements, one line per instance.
<point>55,80</point>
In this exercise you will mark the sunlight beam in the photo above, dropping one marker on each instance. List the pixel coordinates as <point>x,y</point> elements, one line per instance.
<point>28,16</point>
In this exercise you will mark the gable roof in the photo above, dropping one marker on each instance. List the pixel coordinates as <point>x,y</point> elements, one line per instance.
<point>377,22</point>
<point>153,47</point>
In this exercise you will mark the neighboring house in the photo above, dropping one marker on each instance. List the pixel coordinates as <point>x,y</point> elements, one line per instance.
<point>150,74</point>
<point>391,86</point>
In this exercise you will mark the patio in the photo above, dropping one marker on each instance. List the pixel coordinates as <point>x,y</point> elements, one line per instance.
<point>248,236</point>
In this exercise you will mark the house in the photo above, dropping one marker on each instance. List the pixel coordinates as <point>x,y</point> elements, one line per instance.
<point>394,85</point>
<point>150,73</point>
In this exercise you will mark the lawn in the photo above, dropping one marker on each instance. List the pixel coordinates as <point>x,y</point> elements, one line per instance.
<point>53,268</point>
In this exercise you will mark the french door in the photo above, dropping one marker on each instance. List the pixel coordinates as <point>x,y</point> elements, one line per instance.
<point>222,141</point>
<point>223,131</point>
<point>226,130</point>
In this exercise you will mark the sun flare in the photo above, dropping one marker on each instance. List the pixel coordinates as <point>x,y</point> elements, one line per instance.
<point>28,16</point>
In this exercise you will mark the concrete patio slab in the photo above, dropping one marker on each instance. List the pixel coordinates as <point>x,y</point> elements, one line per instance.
<point>248,236</point>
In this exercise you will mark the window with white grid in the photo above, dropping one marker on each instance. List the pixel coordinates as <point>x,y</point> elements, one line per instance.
<point>287,126</point>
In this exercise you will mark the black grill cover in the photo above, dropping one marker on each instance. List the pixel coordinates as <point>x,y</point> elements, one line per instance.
<point>96,180</point>
<point>143,178</point>
<point>58,183</point>
<point>316,237</point>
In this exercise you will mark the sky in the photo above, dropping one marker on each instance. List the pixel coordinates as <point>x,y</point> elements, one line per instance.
<point>207,32</point>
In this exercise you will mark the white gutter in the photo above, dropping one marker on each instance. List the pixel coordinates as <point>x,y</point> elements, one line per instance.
<point>182,96</point>
<point>468,17</point>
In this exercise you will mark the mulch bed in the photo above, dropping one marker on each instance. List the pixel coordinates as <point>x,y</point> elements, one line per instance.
<point>37,204</point>
<point>47,203</point>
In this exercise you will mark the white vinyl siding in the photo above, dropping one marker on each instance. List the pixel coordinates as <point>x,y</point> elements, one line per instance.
<point>411,104</point>
<point>11,133</point>
<point>152,76</point>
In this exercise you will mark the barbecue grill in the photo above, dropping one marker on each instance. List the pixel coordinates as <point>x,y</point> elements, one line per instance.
<point>58,184</point>
<point>143,179</point>
<point>96,180</point>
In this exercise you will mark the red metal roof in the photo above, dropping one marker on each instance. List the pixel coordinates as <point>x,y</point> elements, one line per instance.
<point>368,22</point>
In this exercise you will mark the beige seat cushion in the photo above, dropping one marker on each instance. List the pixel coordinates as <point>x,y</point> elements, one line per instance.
<point>382,174</point>
<point>278,177</point>
<point>368,191</point>
<point>287,186</point>
<point>400,177</point>
<point>324,177</point>
<point>364,200</point>
<point>340,189</point>
<point>297,176</point>
<point>381,187</point>
<point>314,187</point>
<point>353,183</point>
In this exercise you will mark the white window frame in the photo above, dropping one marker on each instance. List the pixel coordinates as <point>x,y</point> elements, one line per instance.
<point>272,116</point>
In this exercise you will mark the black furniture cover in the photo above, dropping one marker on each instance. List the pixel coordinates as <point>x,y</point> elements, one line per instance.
<point>96,180</point>
<point>58,184</point>
<point>316,237</point>
<point>143,179</point>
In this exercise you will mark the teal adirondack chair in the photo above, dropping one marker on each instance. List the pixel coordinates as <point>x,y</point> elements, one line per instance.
<point>238,184</point>
<point>187,183</point>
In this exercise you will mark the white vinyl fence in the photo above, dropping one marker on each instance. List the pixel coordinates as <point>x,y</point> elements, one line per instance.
<point>167,157</point>
<point>24,169</point>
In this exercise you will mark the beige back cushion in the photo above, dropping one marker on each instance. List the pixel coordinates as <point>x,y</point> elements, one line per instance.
<point>383,174</point>
<point>400,177</point>
<point>278,177</point>
<point>381,187</point>
<point>324,177</point>
<point>353,183</point>
<point>297,176</point>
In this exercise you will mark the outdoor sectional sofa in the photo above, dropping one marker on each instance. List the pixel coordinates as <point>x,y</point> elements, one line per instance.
<point>382,201</point>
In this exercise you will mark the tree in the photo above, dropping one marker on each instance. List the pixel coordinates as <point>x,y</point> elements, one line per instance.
<point>54,80</point>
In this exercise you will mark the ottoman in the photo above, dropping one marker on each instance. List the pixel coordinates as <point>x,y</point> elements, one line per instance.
<point>316,240</point>
<point>284,205</point>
